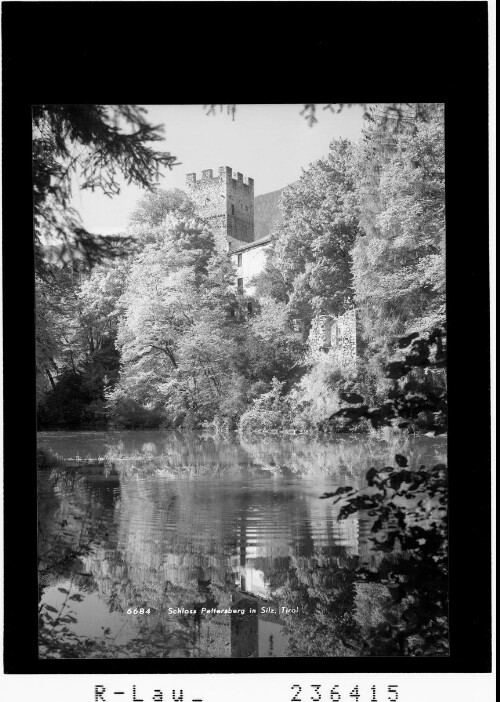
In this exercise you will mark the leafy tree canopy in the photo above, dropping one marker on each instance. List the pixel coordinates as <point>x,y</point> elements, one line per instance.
<point>177,347</point>
<point>312,242</point>
<point>399,254</point>
<point>101,143</point>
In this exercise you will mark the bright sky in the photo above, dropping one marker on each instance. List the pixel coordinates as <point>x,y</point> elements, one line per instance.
<point>269,143</point>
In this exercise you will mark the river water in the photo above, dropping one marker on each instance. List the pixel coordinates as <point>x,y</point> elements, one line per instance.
<point>184,545</point>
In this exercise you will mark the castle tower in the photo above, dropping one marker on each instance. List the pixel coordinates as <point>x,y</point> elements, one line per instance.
<point>226,202</point>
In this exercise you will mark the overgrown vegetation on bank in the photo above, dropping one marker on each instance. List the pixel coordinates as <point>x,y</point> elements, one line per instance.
<point>161,338</point>
<point>46,459</point>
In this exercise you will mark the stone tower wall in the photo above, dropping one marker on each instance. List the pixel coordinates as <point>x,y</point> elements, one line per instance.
<point>226,202</point>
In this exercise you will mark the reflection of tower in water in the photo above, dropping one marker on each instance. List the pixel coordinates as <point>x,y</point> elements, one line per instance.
<point>365,543</point>
<point>246,537</point>
<point>271,528</point>
<point>245,630</point>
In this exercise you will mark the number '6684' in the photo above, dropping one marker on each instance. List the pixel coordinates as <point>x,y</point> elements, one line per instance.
<point>322,693</point>
<point>139,610</point>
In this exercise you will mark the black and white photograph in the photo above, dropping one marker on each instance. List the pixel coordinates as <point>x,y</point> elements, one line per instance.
<point>247,352</point>
<point>241,380</point>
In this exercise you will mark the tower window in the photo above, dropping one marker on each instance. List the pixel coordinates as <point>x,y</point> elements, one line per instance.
<point>240,260</point>
<point>250,308</point>
<point>240,285</point>
<point>232,209</point>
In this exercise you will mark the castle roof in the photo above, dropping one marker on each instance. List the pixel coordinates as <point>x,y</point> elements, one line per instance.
<point>252,245</point>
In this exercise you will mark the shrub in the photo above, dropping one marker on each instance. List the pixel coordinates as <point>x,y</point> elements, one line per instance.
<point>410,509</point>
<point>255,420</point>
<point>127,413</point>
<point>268,412</point>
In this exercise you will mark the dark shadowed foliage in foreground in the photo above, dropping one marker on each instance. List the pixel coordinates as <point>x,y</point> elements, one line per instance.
<point>417,393</point>
<point>408,509</point>
<point>409,512</point>
<point>102,144</point>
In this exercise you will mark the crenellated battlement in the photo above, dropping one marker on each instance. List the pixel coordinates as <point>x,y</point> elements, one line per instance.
<point>224,173</point>
<point>226,200</point>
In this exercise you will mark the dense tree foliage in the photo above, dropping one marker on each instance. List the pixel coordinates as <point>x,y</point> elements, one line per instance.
<point>313,240</point>
<point>81,306</point>
<point>175,332</point>
<point>162,337</point>
<point>365,228</point>
<point>100,145</point>
<point>409,514</point>
<point>398,259</point>
<point>416,391</point>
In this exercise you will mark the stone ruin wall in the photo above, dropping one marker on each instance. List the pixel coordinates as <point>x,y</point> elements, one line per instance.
<point>335,339</point>
<point>217,196</point>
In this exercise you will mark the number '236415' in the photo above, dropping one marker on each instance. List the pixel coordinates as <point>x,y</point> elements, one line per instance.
<point>334,695</point>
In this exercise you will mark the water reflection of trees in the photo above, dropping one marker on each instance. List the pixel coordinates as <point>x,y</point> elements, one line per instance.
<point>159,542</point>
<point>311,455</point>
<point>325,596</point>
<point>69,517</point>
<point>182,534</point>
<point>150,549</point>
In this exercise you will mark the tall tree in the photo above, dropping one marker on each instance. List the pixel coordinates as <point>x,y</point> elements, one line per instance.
<point>399,254</point>
<point>312,242</point>
<point>76,331</point>
<point>101,144</point>
<point>175,331</point>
